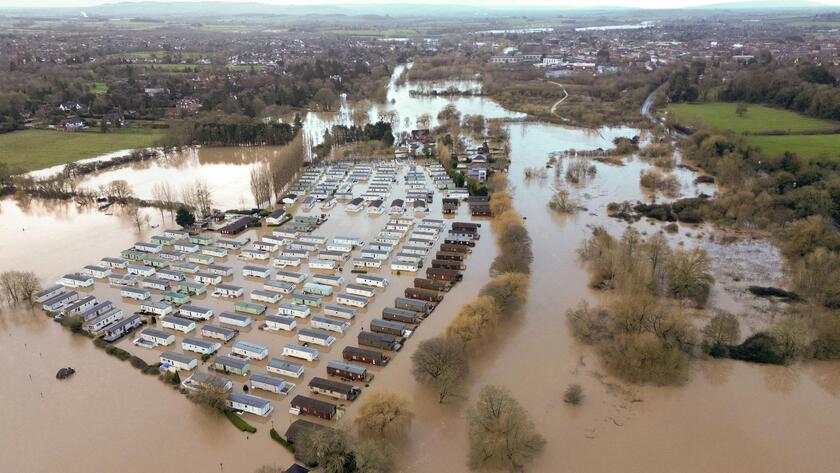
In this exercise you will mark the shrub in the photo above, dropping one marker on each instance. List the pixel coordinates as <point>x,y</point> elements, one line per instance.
<point>644,358</point>
<point>279,439</point>
<point>573,394</point>
<point>508,290</point>
<point>239,422</point>
<point>477,319</point>
<point>759,348</point>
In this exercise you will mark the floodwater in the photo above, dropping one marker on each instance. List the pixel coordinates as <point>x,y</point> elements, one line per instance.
<point>729,417</point>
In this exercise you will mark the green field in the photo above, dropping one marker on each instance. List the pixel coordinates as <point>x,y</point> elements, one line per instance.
<point>38,149</point>
<point>809,146</point>
<point>758,119</point>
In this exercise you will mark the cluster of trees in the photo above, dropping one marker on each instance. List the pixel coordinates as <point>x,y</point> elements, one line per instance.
<point>634,265</point>
<point>221,129</point>
<point>272,177</point>
<point>18,286</point>
<point>654,180</point>
<point>341,135</point>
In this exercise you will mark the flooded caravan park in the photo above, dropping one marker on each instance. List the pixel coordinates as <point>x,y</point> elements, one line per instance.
<point>730,416</point>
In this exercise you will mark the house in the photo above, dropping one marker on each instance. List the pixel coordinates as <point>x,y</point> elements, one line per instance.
<point>335,389</point>
<point>285,368</point>
<point>317,337</point>
<point>220,333</point>
<point>177,361</point>
<point>249,350</point>
<point>346,371</point>
<point>248,403</point>
<point>276,217</point>
<point>200,346</point>
<point>71,124</point>
<point>157,337</point>
<point>237,320</point>
<point>363,355</point>
<point>271,384</point>
<point>299,351</point>
<point>134,293</point>
<point>279,322</point>
<point>155,308</point>
<point>177,323</point>
<point>115,331</point>
<point>328,324</point>
<point>229,364</point>
<point>76,280</point>
<point>313,407</point>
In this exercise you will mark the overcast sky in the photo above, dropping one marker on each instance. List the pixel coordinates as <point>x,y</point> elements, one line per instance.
<point>498,3</point>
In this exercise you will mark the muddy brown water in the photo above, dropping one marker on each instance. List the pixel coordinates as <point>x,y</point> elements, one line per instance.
<point>729,417</point>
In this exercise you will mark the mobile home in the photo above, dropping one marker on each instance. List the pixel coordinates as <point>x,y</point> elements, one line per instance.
<point>339,311</point>
<point>221,333</point>
<point>372,281</point>
<point>228,290</point>
<point>313,407</point>
<point>328,279</point>
<point>186,247</point>
<point>114,331</point>
<point>448,264</point>
<point>115,263</point>
<point>186,267</point>
<point>279,322</point>
<point>195,312</point>
<point>328,324</point>
<point>202,240</point>
<point>344,298</point>
<point>415,305</point>
<point>367,263</point>
<point>389,327</point>
<point>214,251</point>
<point>135,293</point>
<point>162,240</point>
<point>191,287</point>
<point>317,289</point>
<point>427,295</point>
<point>230,364</point>
<point>289,276</point>
<point>157,337</point>
<point>306,299</point>
<point>176,234</point>
<point>404,266</point>
<point>400,315</point>
<point>295,310</point>
<point>285,368</point>
<point>283,261</point>
<point>279,287</point>
<point>363,355</point>
<point>96,310</point>
<point>148,247</point>
<point>335,389</point>
<point>228,244</point>
<point>317,337</point>
<point>81,305</point>
<point>77,280</point>
<point>326,264</point>
<point>415,250</point>
<point>359,290</point>
<point>375,254</point>
<point>156,308</point>
<point>248,403</point>
<point>155,283</point>
<point>266,245</point>
<point>174,297</point>
<point>271,384</point>
<point>96,271</point>
<point>171,275</point>
<point>237,320</point>
<point>255,271</point>
<point>201,259</point>
<point>207,278</point>
<point>122,279</point>
<point>220,269</point>
<point>431,284</point>
<point>336,256</point>
<point>249,350</point>
<point>346,370</point>
<point>383,341</point>
<point>254,254</point>
<point>265,296</point>
<point>177,323</point>
<point>299,351</point>
<point>198,345</point>
<point>402,257</point>
<point>249,307</point>
<point>178,361</point>
<point>140,270</point>
<point>99,323</point>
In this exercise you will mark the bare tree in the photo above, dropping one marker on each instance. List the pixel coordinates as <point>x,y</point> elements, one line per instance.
<point>211,393</point>
<point>199,197</point>
<point>261,184</point>
<point>442,363</point>
<point>329,448</point>
<point>119,190</point>
<point>137,217</point>
<point>19,286</point>
<point>501,434</point>
<point>384,416</point>
<point>374,457</point>
<point>163,193</point>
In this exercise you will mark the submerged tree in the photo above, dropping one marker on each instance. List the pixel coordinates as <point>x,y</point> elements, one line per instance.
<point>18,286</point>
<point>441,363</point>
<point>501,434</point>
<point>385,416</point>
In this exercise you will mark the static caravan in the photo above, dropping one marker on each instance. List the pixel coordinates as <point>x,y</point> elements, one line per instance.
<point>155,283</point>
<point>81,305</point>
<point>186,247</point>
<point>289,276</point>
<point>285,368</point>
<point>306,299</point>
<point>202,240</point>
<point>256,271</point>
<point>336,256</point>
<point>415,250</point>
<point>115,263</point>
<point>140,270</point>
<point>335,389</point>
<point>400,315</point>
<point>237,320</point>
<point>316,263</point>
<point>299,351</point>
<point>382,341</point>
<point>113,332</point>
<point>404,266</point>
<point>328,279</point>
<point>432,222</point>
<point>279,287</point>
<point>135,293</point>
<point>313,239</point>
<point>443,274</point>
<point>220,269</point>
<point>122,279</point>
<point>249,307</point>
<point>448,256</point>
<point>346,370</point>
<point>317,289</point>
<point>448,264</point>
<point>328,324</point>
<point>421,242</point>
<point>359,290</point>
<point>421,235</point>
<point>292,253</point>
<point>408,258</point>
<point>279,322</point>
<point>317,337</point>
<point>375,254</point>
<point>176,234</point>
<point>274,240</point>
<point>190,287</point>
<point>450,248</point>
<point>221,333</point>
<point>302,405</point>
<point>230,364</point>
<point>228,290</point>
<point>339,311</point>
<point>96,310</point>
<point>195,312</point>
<point>200,346</point>
<point>271,384</point>
<point>352,241</point>
<point>415,305</point>
<point>177,361</point>
<point>156,262</point>
<point>132,254</point>
<point>371,281</point>
<point>427,295</point>
<point>177,323</point>
<point>157,337</point>
<point>249,350</point>
<point>99,323</point>
<point>171,275</point>
<point>283,261</point>
<point>363,355</point>
<point>344,298</point>
<point>198,258</point>
<point>459,241</point>
<point>340,247</point>
<point>148,247</point>
<point>285,234</point>
<point>228,244</point>
<point>265,296</point>
<point>214,251</point>
<point>389,327</point>
<point>253,254</point>
<point>295,310</point>
<point>170,256</point>
<point>379,246</point>
<point>248,403</point>
<point>77,280</point>
<point>266,245</point>
<point>207,278</point>
<point>432,284</point>
<point>367,263</point>
<point>186,267</point>
<point>95,271</point>
<point>174,297</point>
<point>388,240</point>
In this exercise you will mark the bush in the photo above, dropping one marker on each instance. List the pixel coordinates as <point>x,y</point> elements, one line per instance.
<point>644,358</point>
<point>138,363</point>
<point>759,348</point>
<point>279,439</point>
<point>239,422</point>
<point>573,394</point>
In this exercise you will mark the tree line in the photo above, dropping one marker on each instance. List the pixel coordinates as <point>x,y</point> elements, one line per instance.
<point>221,129</point>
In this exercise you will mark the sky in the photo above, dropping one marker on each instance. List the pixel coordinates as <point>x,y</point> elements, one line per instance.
<point>490,3</point>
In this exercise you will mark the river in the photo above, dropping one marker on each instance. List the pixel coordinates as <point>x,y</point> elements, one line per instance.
<point>730,417</point>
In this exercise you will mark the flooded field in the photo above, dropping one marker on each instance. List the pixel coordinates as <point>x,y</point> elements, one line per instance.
<point>730,416</point>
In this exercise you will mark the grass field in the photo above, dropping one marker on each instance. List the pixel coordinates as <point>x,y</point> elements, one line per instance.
<point>29,150</point>
<point>721,115</point>
<point>809,146</point>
